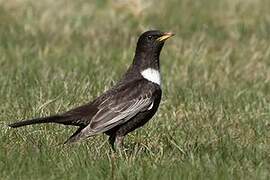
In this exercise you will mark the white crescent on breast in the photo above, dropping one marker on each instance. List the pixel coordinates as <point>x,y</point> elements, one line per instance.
<point>152,75</point>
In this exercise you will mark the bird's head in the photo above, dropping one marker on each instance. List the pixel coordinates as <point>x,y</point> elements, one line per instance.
<point>152,41</point>
<point>147,53</point>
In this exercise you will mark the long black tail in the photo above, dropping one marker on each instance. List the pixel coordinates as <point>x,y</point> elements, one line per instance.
<point>49,119</point>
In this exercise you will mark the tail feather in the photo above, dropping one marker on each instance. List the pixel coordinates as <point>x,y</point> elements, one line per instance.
<point>50,119</point>
<point>75,137</point>
<point>81,133</point>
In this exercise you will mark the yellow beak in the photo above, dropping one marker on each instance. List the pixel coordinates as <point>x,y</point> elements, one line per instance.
<point>165,36</point>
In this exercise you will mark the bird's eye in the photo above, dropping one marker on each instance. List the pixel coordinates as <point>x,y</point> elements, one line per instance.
<point>149,37</point>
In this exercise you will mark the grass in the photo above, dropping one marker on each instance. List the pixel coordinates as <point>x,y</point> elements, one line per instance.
<point>213,122</point>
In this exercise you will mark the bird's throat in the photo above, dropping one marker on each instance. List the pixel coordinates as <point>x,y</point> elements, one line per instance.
<point>144,60</point>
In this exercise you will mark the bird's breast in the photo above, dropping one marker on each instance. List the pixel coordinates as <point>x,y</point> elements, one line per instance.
<point>152,75</point>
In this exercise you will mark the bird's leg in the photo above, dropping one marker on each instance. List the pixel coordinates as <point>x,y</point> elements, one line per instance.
<point>119,141</point>
<point>116,142</point>
<point>111,141</point>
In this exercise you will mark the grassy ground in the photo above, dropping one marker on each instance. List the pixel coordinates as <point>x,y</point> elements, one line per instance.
<point>213,122</point>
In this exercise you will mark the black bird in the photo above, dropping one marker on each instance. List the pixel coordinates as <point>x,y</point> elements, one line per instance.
<point>126,106</point>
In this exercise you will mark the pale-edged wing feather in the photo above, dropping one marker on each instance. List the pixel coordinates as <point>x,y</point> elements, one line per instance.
<point>116,114</point>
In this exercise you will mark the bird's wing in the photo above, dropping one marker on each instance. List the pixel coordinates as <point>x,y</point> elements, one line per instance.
<point>118,108</point>
<point>114,114</point>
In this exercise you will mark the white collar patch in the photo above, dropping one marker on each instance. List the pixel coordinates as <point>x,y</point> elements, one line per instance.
<point>152,75</point>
